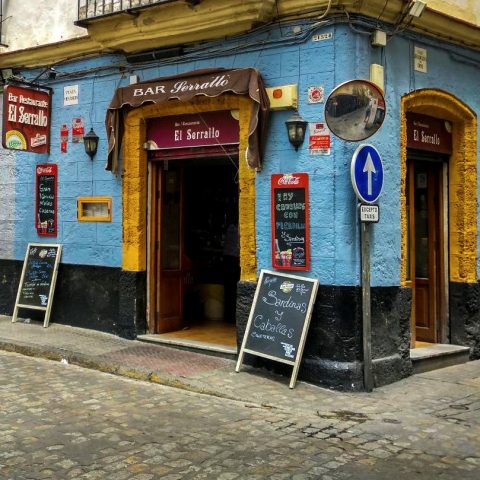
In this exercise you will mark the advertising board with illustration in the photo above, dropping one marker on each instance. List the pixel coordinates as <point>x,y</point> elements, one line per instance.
<point>290,239</point>
<point>26,119</point>
<point>279,318</point>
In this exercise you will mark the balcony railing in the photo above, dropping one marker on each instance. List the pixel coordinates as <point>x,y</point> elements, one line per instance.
<point>92,9</point>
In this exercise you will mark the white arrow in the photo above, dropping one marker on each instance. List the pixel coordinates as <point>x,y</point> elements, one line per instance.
<point>369,168</point>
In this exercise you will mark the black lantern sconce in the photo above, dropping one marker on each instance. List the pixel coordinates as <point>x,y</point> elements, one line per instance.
<point>296,127</point>
<point>90,142</point>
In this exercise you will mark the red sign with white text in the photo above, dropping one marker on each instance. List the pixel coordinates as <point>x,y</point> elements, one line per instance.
<point>26,119</point>
<point>429,133</point>
<point>289,216</point>
<point>195,130</point>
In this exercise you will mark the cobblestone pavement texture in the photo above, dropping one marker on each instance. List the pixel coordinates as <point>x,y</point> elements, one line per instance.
<point>59,421</point>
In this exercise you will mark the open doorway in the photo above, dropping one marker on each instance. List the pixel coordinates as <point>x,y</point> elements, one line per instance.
<point>194,254</point>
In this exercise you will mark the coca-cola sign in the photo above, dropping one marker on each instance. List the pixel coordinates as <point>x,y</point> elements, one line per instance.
<point>288,179</point>
<point>194,130</point>
<point>290,229</point>
<point>26,119</point>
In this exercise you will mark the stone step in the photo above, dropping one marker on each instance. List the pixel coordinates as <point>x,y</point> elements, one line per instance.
<point>217,350</point>
<point>437,356</point>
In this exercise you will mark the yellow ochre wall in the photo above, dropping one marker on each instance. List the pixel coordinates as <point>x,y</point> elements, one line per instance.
<point>462,183</point>
<point>134,172</point>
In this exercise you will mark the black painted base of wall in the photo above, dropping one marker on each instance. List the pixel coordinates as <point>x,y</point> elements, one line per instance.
<point>333,351</point>
<point>465,316</point>
<point>99,298</point>
<point>114,301</point>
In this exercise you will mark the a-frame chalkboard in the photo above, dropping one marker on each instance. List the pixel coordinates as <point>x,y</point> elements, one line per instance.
<point>279,319</point>
<point>39,275</point>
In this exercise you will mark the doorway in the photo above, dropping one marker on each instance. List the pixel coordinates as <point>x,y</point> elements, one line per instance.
<point>193,266</point>
<point>428,249</point>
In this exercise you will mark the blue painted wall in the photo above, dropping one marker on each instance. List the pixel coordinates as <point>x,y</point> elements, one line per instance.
<point>282,58</point>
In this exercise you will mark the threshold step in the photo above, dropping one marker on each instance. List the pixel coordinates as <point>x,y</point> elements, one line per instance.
<point>191,345</point>
<point>436,355</point>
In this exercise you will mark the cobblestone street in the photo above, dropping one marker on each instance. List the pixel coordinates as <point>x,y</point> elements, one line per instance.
<point>60,421</point>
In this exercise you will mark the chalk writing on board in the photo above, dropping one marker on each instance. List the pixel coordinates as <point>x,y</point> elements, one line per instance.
<point>39,269</point>
<point>279,319</point>
<point>289,211</point>
<point>46,212</point>
<point>279,315</point>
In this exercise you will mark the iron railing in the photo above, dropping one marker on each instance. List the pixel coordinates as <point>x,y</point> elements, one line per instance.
<point>91,9</point>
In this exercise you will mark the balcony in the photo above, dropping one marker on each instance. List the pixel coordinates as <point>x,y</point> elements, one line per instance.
<point>94,9</point>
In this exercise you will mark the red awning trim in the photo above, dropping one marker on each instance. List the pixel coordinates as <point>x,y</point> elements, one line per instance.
<point>184,87</point>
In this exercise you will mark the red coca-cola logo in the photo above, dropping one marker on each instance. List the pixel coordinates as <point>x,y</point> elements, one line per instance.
<point>289,180</point>
<point>44,170</point>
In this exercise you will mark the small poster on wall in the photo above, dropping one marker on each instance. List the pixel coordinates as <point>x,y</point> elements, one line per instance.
<point>78,130</point>
<point>290,231</point>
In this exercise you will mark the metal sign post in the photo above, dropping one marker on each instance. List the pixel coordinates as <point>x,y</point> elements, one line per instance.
<point>366,173</point>
<point>366,307</point>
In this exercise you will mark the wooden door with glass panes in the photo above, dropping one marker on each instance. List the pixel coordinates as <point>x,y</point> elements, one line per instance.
<point>426,249</point>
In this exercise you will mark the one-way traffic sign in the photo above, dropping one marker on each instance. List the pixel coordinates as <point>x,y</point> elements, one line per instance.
<point>366,172</point>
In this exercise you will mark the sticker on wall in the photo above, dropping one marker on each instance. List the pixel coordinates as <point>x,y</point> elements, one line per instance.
<point>315,94</point>
<point>78,130</point>
<point>319,141</point>
<point>70,95</point>
<point>63,138</point>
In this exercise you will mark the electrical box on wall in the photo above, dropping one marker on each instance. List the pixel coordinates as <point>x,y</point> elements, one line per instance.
<point>379,38</point>
<point>283,97</point>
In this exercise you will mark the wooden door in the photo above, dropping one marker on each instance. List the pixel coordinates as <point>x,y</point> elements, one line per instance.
<point>166,247</point>
<point>426,246</point>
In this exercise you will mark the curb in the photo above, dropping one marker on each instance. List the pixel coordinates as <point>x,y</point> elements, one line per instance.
<point>113,368</point>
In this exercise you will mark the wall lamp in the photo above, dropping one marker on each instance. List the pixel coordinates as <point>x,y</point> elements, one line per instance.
<point>90,142</point>
<point>296,127</point>
<point>417,7</point>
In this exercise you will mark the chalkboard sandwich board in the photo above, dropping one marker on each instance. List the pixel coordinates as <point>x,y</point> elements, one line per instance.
<point>37,283</point>
<point>279,319</point>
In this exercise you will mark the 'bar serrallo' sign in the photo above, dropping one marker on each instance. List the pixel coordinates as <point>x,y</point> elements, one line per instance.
<point>26,119</point>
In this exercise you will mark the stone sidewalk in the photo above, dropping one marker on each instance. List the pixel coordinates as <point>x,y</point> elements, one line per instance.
<point>441,391</point>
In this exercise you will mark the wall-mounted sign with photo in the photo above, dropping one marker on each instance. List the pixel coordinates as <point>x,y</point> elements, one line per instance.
<point>355,110</point>
<point>26,119</point>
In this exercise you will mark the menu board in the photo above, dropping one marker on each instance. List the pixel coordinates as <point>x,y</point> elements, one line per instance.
<point>290,239</point>
<point>38,278</point>
<point>46,200</point>
<point>279,319</point>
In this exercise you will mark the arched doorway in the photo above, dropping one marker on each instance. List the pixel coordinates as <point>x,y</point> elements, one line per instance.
<point>438,207</point>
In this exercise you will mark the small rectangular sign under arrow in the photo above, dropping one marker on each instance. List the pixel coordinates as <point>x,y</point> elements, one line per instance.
<point>369,213</point>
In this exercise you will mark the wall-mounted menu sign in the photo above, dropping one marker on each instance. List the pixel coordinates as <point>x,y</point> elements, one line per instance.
<point>37,282</point>
<point>290,239</point>
<point>46,200</point>
<point>26,119</point>
<point>279,318</point>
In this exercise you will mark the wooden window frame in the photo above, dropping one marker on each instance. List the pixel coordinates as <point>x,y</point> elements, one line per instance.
<point>81,201</point>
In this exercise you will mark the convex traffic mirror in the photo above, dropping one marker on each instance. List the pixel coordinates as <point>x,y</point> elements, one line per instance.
<point>355,110</point>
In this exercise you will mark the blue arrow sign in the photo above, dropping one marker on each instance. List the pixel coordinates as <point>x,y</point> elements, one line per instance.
<point>366,172</point>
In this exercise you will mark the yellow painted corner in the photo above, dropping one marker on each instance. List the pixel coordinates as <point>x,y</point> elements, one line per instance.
<point>463,179</point>
<point>134,172</point>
